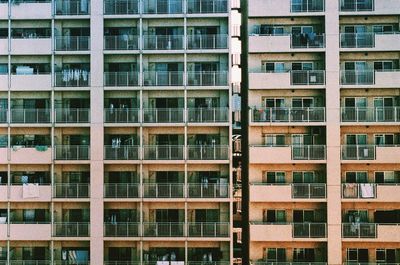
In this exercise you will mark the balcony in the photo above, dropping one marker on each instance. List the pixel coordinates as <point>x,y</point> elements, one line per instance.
<point>209,190</point>
<point>205,152</point>
<point>376,192</point>
<point>21,193</point>
<point>371,231</point>
<point>284,80</point>
<point>121,42</point>
<point>287,154</point>
<point>288,115</point>
<point>121,7</point>
<point>163,152</point>
<point>40,154</point>
<point>204,42</point>
<point>260,231</point>
<point>289,263</point>
<point>167,7</point>
<point>31,10</point>
<point>381,79</point>
<point>3,116</point>
<point>167,78</point>
<point>356,6</point>
<point>309,152</point>
<point>207,78</point>
<point>31,46</point>
<point>207,6</point>
<point>36,116</point>
<point>126,115</point>
<point>309,230</point>
<point>69,79</point>
<point>261,192</point>
<point>163,42</point>
<point>72,152</point>
<point>121,79</point>
<point>31,82</point>
<point>163,229</point>
<point>207,115</point>
<point>286,8</point>
<point>72,43</point>
<point>72,7</point>
<point>71,190</point>
<point>286,43</point>
<point>71,115</point>
<point>123,152</point>
<point>121,229</point>
<point>30,232</point>
<point>373,153</point>
<point>166,115</point>
<point>121,190</point>
<point>208,229</point>
<point>370,115</point>
<point>163,190</point>
<point>71,229</point>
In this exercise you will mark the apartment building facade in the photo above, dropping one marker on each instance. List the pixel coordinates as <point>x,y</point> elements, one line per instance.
<point>115,131</point>
<point>323,131</point>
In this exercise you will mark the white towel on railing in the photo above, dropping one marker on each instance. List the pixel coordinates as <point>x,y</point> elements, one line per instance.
<point>30,191</point>
<point>367,190</point>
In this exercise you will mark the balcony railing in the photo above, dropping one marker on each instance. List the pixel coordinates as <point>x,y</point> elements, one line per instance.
<point>358,152</point>
<point>357,40</point>
<point>126,115</point>
<point>163,229</point>
<point>72,43</point>
<point>208,229</point>
<point>210,262</point>
<point>121,229</point>
<point>202,41</point>
<point>309,230</point>
<point>311,114</point>
<point>71,229</point>
<point>287,263</point>
<point>168,78</point>
<point>307,6</point>
<point>359,191</point>
<point>123,152</point>
<point>163,42</point>
<point>121,190</point>
<point>121,7</point>
<point>163,115</point>
<point>356,5</point>
<point>308,190</point>
<point>3,115</point>
<point>163,152</point>
<point>27,262</point>
<point>71,190</point>
<point>359,230</point>
<point>71,115</point>
<point>312,40</point>
<point>70,79</point>
<point>308,152</point>
<point>208,190</point>
<point>163,190</point>
<point>123,262</point>
<point>121,79</point>
<point>30,115</point>
<point>163,7</point>
<point>72,152</point>
<point>374,114</point>
<point>207,6</point>
<point>307,77</point>
<point>72,7</point>
<point>208,152</point>
<point>357,77</point>
<point>208,115</point>
<point>207,78</point>
<point>121,42</point>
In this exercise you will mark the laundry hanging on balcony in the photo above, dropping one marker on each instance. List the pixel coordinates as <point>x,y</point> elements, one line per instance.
<point>30,190</point>
<point>367,190</point>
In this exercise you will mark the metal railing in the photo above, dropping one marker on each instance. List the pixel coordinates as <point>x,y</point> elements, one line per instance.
<point>121,42</point>
<point>163,229</point>
<point>309,230</point>
<point>359,230</point>
<point>357,77</point>
<point>163,152</point>
<point>121,7</point>
<point>208,152</point>
<point>356,5</point>
<point>308,152</point>
<point>3,115</point>
<point>163,190</point>
<point>163,42</point>
<point>207,115</point>
<point>163,7</point>
<point>121,79</point>
<point>122,152</point>
<point>65,80</point>
<point>307,6</point>
<point>358,152</point>
<point>123,262</point>
<point>66,262</point>
<point>167,78</point>
<point>122,229</point>
<point>308,190</point>
<point>203,41</point>
<point>311,40</point>
<point>286,263</point>
<point>209,190</point>
<point>30,115</point>
<point>163,115</point>
<point>370,114</point>
<point>207,78</point>
<point>121,190</point>
<point>307,77</point>
<point>207,6</point>
<point>72,7</point>
<point>359,190</point>
<point>27,262</point>
<point>208,229</point>
<point>72,115</point>
<point>311,114</point>
<point>71,190</point>
<point>72,152</point>
<point>121,115</point>
<point>72,43</point>
<point>357,40</point>
<point>71,229</point>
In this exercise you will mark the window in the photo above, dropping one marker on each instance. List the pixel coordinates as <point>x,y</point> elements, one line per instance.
<point>303,255</point>
<point>386,256</point>
<point>274,102</point>
<point>303,177</point>
<point>275,177</point>
<point>357,255</point>
<point>384,177</point>
<point>301,216</point>
<point>359,102</point>
<point>357,177</point>
<point>383,66</point>
<point>384,139</point>
<point>382,29</point>
<point>305,66</point>
<point>356,139</point>
<point>270,30</point>
<point>302,102</point>
<point>358,216</point>
<point>275,216</point>
<point>276,254</point>
<point>274,67</point>
<point>275,140</point>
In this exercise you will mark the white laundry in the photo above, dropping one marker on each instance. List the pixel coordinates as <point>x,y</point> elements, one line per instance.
<point>30,191</point>
<point>367,190</point>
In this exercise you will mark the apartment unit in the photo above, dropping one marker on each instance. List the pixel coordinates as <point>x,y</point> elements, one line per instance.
<point>115,132</point>
<point>323,131</point>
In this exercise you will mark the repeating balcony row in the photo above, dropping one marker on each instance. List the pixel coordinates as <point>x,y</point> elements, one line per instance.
<point>132,262</point>
<point>125,115</point>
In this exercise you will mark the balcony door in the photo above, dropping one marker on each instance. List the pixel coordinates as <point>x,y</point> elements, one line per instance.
<point>355,109</point>
<point>357,73</point>
<point>384,109</point>
<point>357,37</point>
<point>357,255</point>
<point>119,254</point>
